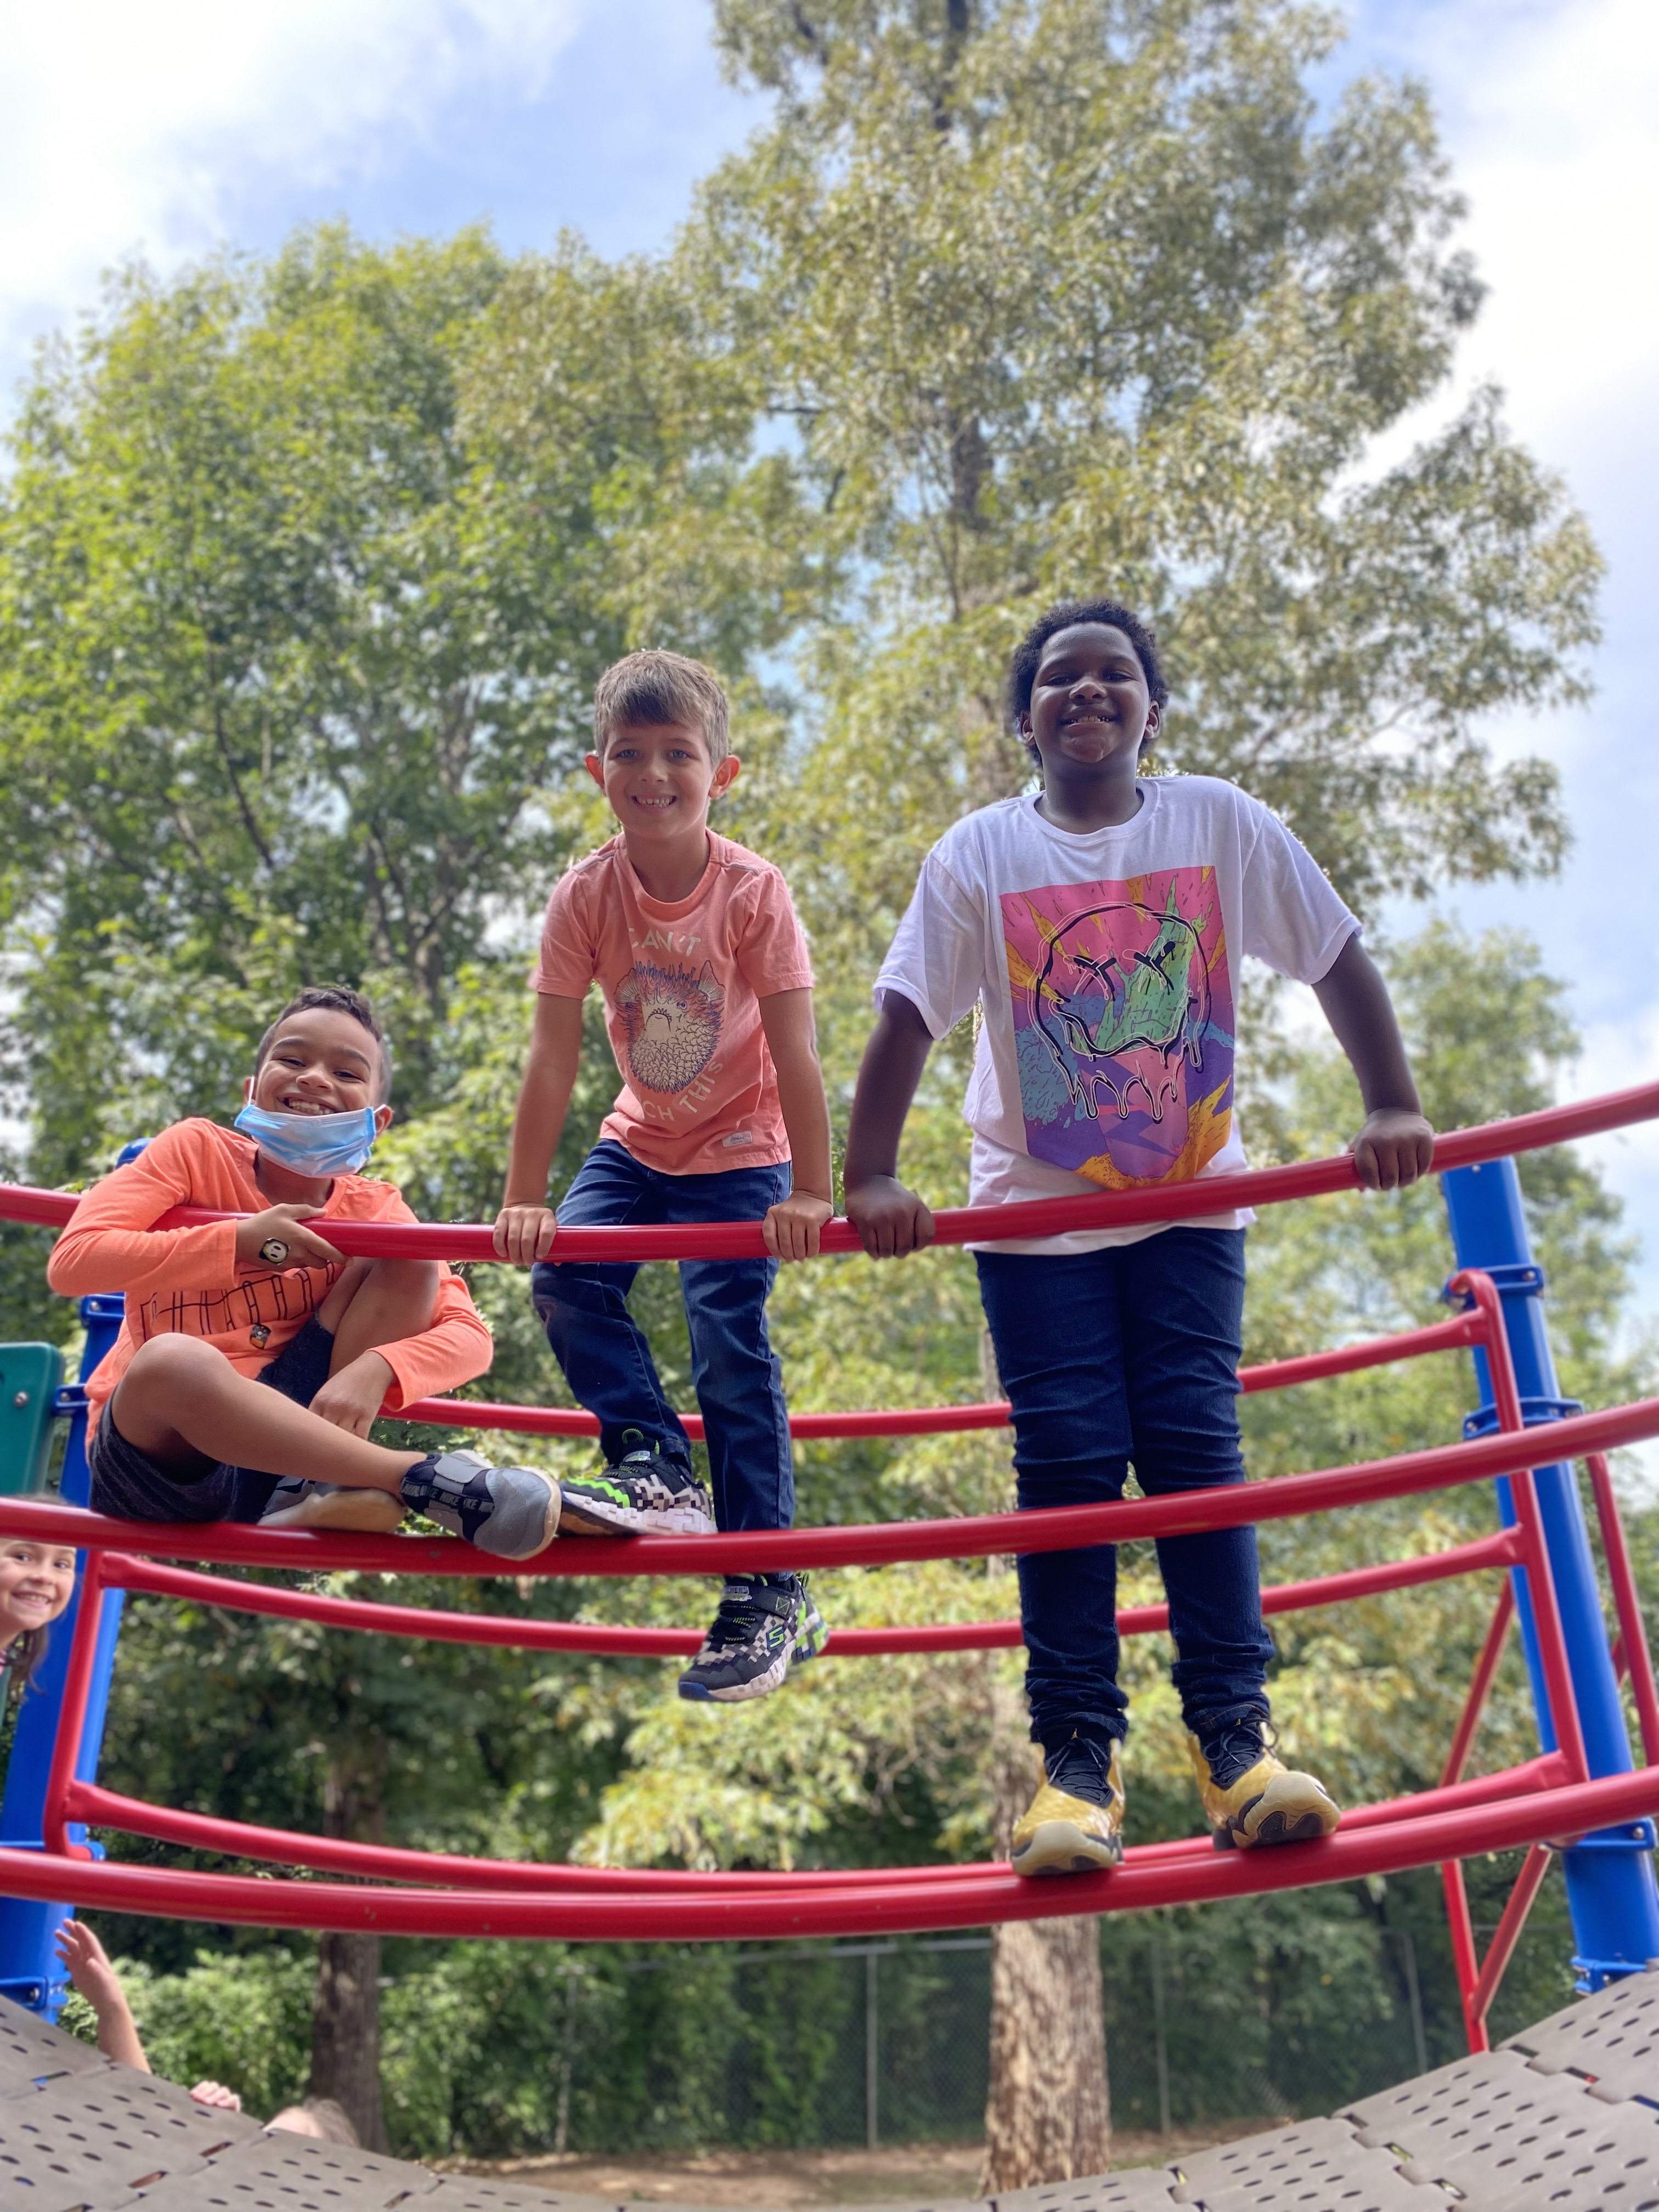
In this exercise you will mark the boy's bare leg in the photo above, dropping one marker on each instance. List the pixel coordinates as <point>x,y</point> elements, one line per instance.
<point>375,1302</point>
<point>182,1404</point>
<point>184,1407</point>
<point>378,1302</point>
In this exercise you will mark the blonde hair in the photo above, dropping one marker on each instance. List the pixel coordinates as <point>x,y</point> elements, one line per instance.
<point>648,690</point>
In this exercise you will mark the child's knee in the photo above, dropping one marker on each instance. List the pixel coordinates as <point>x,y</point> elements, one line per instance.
<point>167,1364</point>
<point>407,1277</point>
<point>410,1285</point>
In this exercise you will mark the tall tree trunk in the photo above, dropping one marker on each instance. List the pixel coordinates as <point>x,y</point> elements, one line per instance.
<point>345,2017</point>
<point>1049,2114</point>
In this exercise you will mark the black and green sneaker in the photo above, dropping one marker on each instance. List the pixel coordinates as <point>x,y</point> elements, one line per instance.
<point>766,1624</point>
<point>644,1494</point>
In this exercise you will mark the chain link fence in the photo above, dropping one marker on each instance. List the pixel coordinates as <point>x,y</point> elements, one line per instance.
<point>887,2043</point>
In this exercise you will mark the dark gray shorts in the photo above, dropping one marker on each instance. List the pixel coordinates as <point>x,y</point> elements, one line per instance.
<point>129,1486</point>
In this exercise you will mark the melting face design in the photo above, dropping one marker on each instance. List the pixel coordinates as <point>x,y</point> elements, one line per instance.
<point>672,1020</point>
<point>1123,994</point>
<point>1122,1015</point>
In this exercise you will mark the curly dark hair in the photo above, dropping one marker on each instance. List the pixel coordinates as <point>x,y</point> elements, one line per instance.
<point>1027,654</point>
<point>338,999</point>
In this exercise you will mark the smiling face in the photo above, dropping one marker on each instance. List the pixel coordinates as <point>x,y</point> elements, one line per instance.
<point>1090,707</point>
<point>321,1061</point>
<point>659,779</point>
<point>36,1581</point>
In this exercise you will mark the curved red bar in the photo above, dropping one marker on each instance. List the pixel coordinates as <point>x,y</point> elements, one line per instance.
<point>205,1831</point>
<point>873,1544</point>
<point>881,1905</point>
<point>944,1420</point>
<point>618,1641</point>
<point>741,1240</point>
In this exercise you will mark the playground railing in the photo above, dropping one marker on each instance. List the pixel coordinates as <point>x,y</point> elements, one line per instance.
<point>1535,1806</point>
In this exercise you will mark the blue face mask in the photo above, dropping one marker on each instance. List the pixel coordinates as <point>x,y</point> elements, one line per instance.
<point>314,1144</point>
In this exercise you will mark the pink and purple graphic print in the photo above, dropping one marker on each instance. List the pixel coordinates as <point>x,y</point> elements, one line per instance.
<point>1123,1024</point>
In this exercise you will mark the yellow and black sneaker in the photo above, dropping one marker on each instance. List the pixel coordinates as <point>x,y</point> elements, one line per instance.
<point>1074,1825</point>
<point>1250,1796</point>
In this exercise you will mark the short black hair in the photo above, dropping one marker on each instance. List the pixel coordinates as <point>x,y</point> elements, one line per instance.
<point>1027,654</point>
<point>335,999</point>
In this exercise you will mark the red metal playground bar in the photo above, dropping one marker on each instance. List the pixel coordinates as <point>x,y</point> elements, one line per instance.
<point>1583,1795</point>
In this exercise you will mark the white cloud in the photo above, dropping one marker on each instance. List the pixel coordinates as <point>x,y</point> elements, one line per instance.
<point>1550,117</point>
<point>127,125</point>
<point>1546,112</point>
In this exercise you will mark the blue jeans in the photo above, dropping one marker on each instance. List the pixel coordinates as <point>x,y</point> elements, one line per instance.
<point>735,1372</point>
<point>1128,1354</point>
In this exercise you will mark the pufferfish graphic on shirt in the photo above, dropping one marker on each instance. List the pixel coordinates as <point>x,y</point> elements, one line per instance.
<point>672,1017</point>
<point>1123,1024</point>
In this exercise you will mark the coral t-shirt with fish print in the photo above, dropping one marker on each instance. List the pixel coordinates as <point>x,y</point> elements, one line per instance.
<point>683,985</point>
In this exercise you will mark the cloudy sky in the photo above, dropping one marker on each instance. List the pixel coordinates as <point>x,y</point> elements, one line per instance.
<point>166,126</point>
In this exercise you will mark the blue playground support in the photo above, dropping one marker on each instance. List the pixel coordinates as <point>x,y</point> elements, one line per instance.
<point>29,1970</point>
<point>1610,1875</point>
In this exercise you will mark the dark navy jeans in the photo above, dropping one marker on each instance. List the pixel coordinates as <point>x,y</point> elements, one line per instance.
<point>1128,1354</point>
<point>734,1371</point>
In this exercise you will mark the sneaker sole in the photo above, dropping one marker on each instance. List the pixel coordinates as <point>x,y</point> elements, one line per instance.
<point>581,1516</point>
<point>737,1693</point>
<point>804,1647</point>
<point>1061,1847</point>
<point>1301,1813</point>
<point>366,1512</point>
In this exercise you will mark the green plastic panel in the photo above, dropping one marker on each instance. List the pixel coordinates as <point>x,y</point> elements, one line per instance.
<point>30,1375</point>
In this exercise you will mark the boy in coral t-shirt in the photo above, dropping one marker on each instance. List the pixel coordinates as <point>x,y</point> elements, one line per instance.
<point>254,1356</point>
<point>708,998</point>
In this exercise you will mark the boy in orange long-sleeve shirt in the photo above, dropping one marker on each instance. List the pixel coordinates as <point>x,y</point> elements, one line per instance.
<point>254,1356</point>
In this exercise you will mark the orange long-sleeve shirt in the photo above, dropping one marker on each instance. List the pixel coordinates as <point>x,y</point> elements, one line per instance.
<point>186,1282</point>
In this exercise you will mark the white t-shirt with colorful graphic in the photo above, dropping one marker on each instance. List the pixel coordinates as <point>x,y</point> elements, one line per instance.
<point>1105,965</point>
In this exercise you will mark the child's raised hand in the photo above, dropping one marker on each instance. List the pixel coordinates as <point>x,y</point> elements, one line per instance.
<point>88,1965</point>
<point>1392,1149</point>
<point>284,1226</point>
<point>891,1220</point>
<point>525,1233</point>
<point>791,1227</point>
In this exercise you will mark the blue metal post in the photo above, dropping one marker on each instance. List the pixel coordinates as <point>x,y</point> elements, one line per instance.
<point>1611,1891</point>
<point>29,1970</point>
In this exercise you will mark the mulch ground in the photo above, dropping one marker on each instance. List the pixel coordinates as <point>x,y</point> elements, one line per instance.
<point>786,2179</point>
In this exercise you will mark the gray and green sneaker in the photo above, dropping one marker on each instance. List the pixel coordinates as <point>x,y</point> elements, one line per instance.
<point>644,1494</point>
<point>766,1624</point>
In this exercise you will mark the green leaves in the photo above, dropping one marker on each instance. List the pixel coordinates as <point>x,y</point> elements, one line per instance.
<point>1066,296</point>
<point>307,572</point>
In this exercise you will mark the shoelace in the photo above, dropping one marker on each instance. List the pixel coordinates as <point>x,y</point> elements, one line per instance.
<point>1082,1768</point>
<point>1234,1748</point>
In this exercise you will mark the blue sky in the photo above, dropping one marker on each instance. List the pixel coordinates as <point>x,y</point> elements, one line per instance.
<point>167,128</point>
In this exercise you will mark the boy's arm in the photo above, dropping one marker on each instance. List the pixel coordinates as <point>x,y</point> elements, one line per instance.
<point>455,1347</point>
<point>111,1242</point>
<point>791,1228</point>
<point>526,1225</point>
<point>891,1220</point>
<point>1396,1145</point>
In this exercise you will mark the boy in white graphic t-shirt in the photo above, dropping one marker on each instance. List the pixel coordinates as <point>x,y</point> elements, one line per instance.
<point>1098,926</point>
